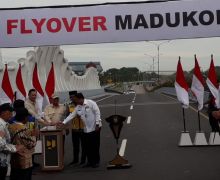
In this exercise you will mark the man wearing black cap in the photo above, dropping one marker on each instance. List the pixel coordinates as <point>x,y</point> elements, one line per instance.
<point>5,140</point>
<point>31,124</point>
<point>89,112</point>
<point>77,132</point>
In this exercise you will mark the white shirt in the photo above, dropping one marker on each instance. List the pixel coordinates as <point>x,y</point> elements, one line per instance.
<point>5,145</point>
<point>89,113</point>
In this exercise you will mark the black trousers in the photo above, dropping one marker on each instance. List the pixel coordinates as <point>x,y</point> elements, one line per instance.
<point>92,146</point>
<point>214,124</point>
<point>23,174</point>
<point>78,143</point>
<point>3,172</point>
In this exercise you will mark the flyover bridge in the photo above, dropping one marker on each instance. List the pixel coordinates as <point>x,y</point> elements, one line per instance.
<point>151,132</point>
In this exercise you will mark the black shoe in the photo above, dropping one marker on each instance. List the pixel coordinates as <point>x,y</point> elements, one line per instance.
<point>73,162</point>
<point>82,162</point>
<point>95,165</point>
<point>86,165</point>
<point>36,164</point>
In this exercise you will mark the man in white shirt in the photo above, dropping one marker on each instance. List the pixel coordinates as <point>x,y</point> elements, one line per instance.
<point>6,148</point>
<point>89,112</point>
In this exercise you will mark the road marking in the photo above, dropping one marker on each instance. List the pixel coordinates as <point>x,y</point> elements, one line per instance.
<point>131,107</point>
<point>202,114</point>
<point>138,104</point>
<point>105,98</point>
<point>133,101</point>
<point>192,108</point>
<point>129,120</point>
<point>134,97</point>
<point>122,148</point>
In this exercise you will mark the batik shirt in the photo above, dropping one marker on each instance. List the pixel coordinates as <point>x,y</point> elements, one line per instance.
<point>5,145</point>
<point>22,135</point>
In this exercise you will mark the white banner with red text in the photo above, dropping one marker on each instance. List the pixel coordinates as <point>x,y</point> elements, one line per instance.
<point>110,22</point>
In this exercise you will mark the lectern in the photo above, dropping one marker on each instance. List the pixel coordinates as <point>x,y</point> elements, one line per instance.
<point>53,155</point>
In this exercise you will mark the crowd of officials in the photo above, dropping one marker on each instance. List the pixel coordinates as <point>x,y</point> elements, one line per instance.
<point>19,131</point>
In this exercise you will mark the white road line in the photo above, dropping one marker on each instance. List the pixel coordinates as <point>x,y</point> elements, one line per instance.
<point>129,120</point>
<point>122,148</point>
<point>105,98</point>
<point>133,101</point>
<point>138,104</point>
<point>134,97</point>
<point>202,114</point>
<point>131,107</point>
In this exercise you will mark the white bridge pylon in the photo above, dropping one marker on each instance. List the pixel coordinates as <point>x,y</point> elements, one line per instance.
<point>65,78</point>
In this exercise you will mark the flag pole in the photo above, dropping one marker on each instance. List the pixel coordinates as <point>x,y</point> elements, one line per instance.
<point>115,105</point>
<point>199,121</point>
<point>214,137</point>
<point>117,144</point>
<point>184,120</point>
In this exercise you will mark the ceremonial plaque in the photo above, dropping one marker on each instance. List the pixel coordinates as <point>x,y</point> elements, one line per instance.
<point>52,149</point>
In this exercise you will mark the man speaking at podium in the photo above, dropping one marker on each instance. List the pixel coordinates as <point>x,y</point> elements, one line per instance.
<point>89,112</point>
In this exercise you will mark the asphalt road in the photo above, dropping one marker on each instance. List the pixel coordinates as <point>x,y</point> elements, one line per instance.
<point>152,136</point>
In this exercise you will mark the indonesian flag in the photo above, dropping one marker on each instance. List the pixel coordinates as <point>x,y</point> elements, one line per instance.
<point>197,86</point>
<point>40,92</point>
<point>213,83</point>
<point>21,93</point>
<point>181,86</point>
<point>6,94</point>
<point>50,84</point>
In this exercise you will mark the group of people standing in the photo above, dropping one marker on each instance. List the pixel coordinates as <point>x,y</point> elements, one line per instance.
<point>17,142</point>
<point>19,131</point>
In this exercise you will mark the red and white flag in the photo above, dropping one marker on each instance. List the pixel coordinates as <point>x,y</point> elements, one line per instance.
<point>6,94</point>
<point>50,84</point>
<point>21,93</point>
<point>181,86</point>
<point>197,86</point>
<point>212,82</point>
<point>40,92</point>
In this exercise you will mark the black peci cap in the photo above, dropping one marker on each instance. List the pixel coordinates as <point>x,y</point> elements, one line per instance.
<point>79,96</point>
<point>6,107</point>
<point>72,93</point>
<point>18,103</point>
<point>21,113</point>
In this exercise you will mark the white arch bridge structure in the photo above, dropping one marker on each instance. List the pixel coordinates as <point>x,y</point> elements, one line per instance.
<point>65,78</point>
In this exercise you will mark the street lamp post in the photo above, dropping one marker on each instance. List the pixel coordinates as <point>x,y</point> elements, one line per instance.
<point>152,60</point>
<point>158,54</point>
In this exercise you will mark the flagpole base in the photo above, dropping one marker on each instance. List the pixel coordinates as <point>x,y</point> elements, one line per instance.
<point>214,139</point>
<point>118,163</point>
<point>200,139</point>
<point>185,139</point>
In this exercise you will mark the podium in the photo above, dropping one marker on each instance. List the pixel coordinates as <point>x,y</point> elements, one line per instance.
<point>53,155</point>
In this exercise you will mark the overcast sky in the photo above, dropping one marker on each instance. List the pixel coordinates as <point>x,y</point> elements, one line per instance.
<point>132,54</point>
